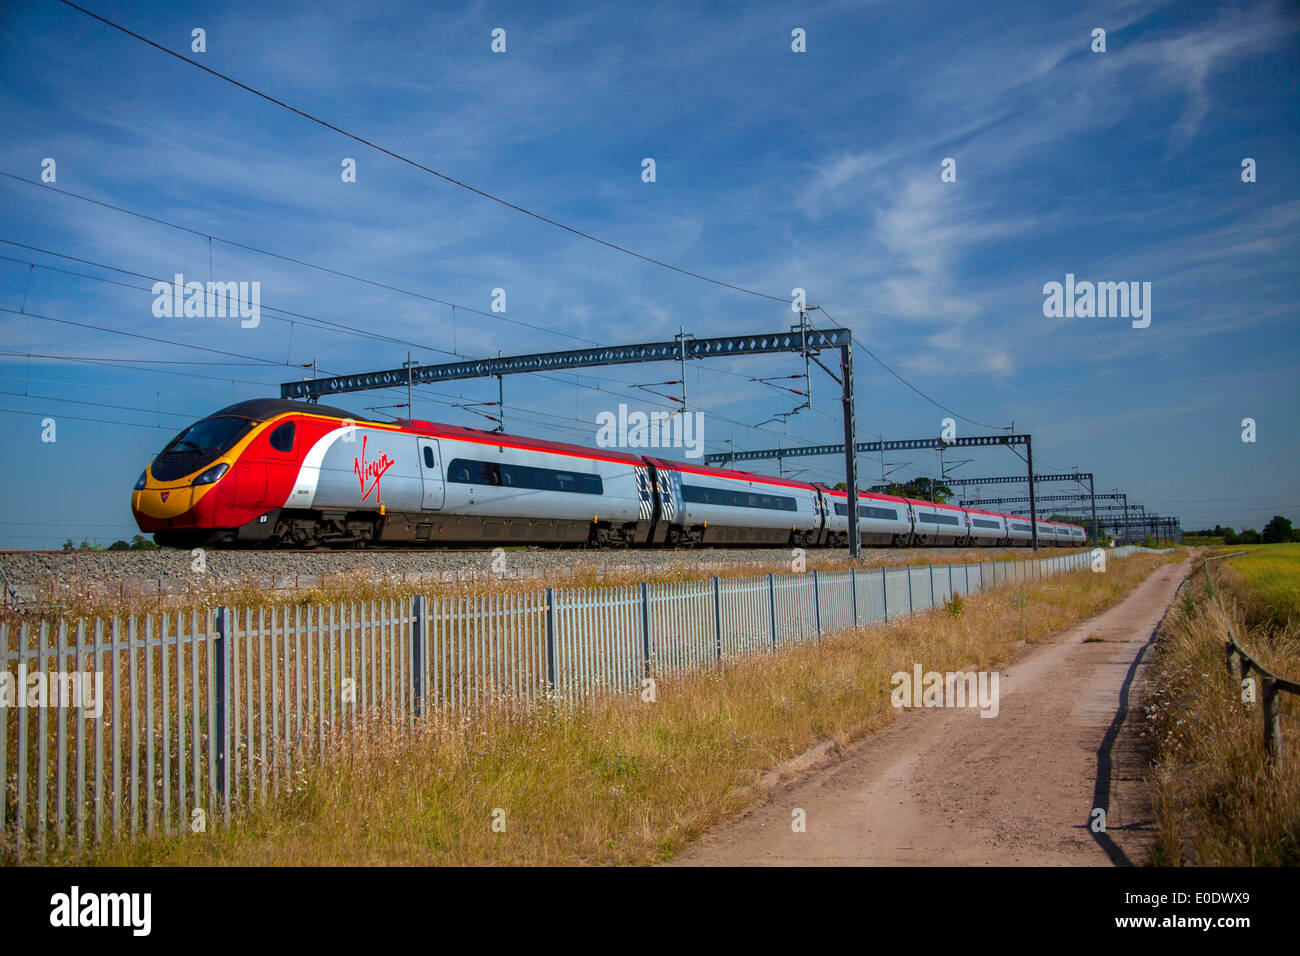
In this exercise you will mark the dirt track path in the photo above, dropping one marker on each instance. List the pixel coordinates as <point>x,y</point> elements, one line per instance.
<point>945,786</point>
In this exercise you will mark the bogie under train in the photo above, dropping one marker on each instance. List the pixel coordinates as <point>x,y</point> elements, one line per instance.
<point>275,473</point>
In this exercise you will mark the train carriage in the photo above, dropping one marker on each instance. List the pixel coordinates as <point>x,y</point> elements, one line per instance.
<point>987,528</point>
<point>716,506</point>
<point>1020,530</point>
<point>939,525</point>
<point>506,488</point>
<point>882,519</point>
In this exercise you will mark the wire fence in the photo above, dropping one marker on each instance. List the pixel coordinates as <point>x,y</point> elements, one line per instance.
<point>119,727</point>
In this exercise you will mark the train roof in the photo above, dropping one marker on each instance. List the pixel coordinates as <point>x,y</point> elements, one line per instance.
<point>262,409</point>
<point>727,473</point>
<point>484,437</point>
<point>932,504</point>
<point>991,514</point>
<point>870,495</point>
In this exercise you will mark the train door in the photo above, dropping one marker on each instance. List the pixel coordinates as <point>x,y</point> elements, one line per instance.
<point>431,474</point>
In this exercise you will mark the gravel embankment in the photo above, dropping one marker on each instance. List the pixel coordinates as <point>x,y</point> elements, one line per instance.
<point>30,573</point>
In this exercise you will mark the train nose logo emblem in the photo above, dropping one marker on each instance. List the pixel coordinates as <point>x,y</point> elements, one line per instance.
<point>372,470</point>
<point>165,495</point>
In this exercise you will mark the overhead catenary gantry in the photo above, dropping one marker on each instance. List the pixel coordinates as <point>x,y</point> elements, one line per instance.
<point>1076,476</point>
<point>901,444</point>
<point>1092,497</point>
<point>802,339</point>
<point>1128,516</point>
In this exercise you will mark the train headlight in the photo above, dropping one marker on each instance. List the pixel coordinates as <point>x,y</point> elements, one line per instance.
<point>139,484</point>
<point>213,474</point>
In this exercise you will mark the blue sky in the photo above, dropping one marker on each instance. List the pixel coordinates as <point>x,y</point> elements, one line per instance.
<point>775,170</point>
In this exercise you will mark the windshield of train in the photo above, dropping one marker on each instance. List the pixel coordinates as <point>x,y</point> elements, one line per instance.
<point>210,434</point>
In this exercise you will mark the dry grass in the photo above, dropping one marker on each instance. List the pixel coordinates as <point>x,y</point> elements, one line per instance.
<point>620,781</point>
<point>1218,802</point>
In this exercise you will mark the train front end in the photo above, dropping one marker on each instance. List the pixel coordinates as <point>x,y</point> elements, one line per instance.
<point>186,496</point>
<point>217,482</point>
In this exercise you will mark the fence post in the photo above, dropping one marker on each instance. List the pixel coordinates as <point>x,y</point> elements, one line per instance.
<point>932,585</point>
<point>884,592</point>
<point>550,638</point>
<point>771,605</point>
<point>911,605</point>
<point>417,654</point>
<point>853,583</point>
<point>645,628</point>
<point>221,664</point>
<point>717,616</point>
<point>817,604</point>
<point>1272,723</point>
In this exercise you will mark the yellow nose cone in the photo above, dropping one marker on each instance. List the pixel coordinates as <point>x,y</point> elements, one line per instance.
<point>163,502</point>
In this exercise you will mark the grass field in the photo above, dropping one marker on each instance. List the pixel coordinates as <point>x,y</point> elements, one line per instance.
<point>1218,801</point>
<point>1272,579</point>
<point>622,780</point>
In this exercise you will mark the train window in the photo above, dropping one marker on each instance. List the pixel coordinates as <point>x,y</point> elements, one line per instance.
<point>700,495</point>
<point>428,456</point>
<point>216,433</point>
<point>869,511</point>
<point>282,437</point>
<point>939,519</point>
<point>467,472</point>
<point>985,523</point>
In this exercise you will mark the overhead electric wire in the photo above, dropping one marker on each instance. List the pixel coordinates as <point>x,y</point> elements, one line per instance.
<point>882,363</point>
<point>74,401</point>
<point>411,162</point>
<point>324,324</point>
<point>308,264</point>
<point>456,182</point>
<point>148,338</point>
<point>115,363</point>
<point>280,364</point>
<point>116,358</point>
<point>301,262</point>
<point>306,319</point>
<point>99,385</point>
<point>74,418</point>
<point>404,159</point>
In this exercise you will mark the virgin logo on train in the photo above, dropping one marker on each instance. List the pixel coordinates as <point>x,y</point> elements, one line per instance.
<point>372,470</point>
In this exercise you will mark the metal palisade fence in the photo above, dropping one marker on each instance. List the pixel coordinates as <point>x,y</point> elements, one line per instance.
<point>127,726</point>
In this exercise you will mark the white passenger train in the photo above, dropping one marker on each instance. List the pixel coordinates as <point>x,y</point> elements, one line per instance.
<point>271,472</point>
